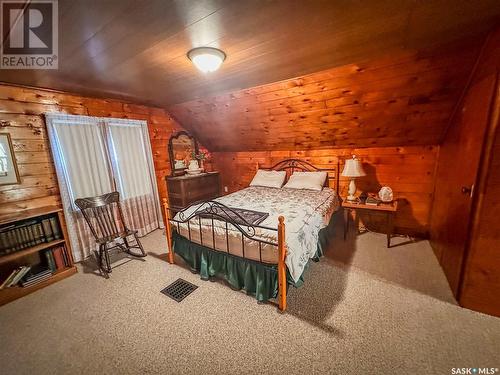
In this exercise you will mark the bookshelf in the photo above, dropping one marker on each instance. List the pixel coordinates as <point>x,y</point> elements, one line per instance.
<point>30,250</point>
<point>12,259</point>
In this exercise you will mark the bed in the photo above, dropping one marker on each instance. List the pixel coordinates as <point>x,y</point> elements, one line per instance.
<point>230,237</point>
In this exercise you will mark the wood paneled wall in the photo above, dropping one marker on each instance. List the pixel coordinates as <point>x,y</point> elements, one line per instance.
<point>409,171</point>
<point>480,288</point>
<point>465,231</point>
<point>481,284</point>
<point>399,100</point>
<point>21,115</point>
<point>115,48</point>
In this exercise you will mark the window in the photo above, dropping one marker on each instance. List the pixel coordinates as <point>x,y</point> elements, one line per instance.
<point>83,155</point>
<point>128,156</point>
<point>94,156</point>
<point>3,160</point>
<point>102,155</point>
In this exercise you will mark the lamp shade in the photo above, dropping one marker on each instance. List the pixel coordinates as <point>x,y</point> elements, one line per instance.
<point>353,168</point>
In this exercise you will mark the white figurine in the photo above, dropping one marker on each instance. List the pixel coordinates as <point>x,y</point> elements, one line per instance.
<point>385,194</point>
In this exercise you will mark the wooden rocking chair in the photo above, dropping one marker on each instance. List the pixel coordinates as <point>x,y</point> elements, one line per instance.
<point>104,216</point>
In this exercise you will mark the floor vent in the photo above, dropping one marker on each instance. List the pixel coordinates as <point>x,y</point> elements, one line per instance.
<point>179,289</point>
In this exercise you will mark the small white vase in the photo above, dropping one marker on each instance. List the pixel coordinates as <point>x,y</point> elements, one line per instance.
<point>179,164</point>
<point>193,165</point>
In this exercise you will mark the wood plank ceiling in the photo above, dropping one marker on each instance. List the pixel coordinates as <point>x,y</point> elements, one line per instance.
<point>136,50</point>
<point>399,100</point>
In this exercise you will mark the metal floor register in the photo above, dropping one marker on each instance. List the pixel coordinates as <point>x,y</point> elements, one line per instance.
<point>179,289</point>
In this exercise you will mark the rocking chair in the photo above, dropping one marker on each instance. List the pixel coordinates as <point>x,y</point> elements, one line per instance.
<point>104,216</point>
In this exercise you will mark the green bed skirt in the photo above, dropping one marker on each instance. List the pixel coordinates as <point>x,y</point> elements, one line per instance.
<point>257,279</point>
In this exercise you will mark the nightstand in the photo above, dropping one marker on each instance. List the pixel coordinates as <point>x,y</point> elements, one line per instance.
<point>389,209</point>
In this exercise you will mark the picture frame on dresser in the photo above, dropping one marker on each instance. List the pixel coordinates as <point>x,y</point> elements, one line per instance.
<point>9,173</point>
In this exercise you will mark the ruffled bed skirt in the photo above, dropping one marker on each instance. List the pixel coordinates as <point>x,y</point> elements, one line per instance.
<point>257,279</point>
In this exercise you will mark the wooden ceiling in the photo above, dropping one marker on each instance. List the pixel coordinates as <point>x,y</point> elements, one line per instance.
<point>398,100</point>
<point>136,49</point>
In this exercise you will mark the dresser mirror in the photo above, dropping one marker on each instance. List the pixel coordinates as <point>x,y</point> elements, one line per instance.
<point>180,148</point>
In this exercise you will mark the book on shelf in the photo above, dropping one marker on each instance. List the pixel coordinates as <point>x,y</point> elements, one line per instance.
<point>15,276</point>
<point>36,278</point>
<point>372,201</point>
<point>51,229</point>
<point>40,234</point>
<point>37,271</point>
<point>47,230</point>
<point>5,241</point>
<point>22,238</point>
<point>25,234</point>
<point>22,271</point>
<point>35,234</point>
<point>54,223</point>
<point>9,279</point>
<point>58,254</point>
<point>50,260</point>
<point>44,264</point>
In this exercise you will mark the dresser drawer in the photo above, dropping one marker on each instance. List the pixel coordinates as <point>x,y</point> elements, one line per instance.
<point>208,192</point>
<point>185,190</point>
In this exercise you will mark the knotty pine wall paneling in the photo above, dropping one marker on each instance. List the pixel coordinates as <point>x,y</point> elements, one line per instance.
<point>409,171</point>
<point>398,100</point>
<point>21,115</point>
<point>386,110</point>
<point>480,288</point>
<point>141,55</point>
<point>469,155</point>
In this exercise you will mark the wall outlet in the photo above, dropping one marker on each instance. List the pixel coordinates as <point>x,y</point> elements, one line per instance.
<point>225,189</point>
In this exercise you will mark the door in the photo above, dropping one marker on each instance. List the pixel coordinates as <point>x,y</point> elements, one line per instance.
<point>459,157</point>
<point>480,285</point>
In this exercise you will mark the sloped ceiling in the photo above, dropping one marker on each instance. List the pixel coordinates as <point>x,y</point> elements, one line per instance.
<point>136,49</point>
<point>401,99</point>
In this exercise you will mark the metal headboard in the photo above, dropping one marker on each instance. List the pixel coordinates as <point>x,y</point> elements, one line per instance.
<point>292,165</point>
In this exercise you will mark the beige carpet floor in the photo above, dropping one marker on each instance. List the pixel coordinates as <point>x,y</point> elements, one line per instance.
<point>364,309</point>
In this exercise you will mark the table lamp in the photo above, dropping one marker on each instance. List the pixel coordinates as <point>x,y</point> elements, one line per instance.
<point>353,169</point>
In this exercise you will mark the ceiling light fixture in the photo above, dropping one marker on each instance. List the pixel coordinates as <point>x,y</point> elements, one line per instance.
<point>206,59</point>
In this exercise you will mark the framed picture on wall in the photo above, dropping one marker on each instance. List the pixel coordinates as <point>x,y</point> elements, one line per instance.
<point>9,173</point>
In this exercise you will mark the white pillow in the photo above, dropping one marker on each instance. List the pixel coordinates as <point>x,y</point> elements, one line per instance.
<point>306,180</point>
<point>273,179</point>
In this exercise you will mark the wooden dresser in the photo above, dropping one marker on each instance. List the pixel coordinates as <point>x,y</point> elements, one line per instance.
<point>186,189</point>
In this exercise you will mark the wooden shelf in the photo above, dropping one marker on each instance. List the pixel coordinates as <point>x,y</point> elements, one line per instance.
<point>28,214</point>
<point>18,254</point>
<point>9,294</point>
<point>393,206</point>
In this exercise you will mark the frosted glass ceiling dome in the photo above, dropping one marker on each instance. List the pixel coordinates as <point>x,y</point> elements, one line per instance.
<point>206,59</point>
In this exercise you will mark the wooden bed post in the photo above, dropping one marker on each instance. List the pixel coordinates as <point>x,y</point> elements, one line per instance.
<point>168,231</point>
<point>281,265</point>
<point>337,177</point>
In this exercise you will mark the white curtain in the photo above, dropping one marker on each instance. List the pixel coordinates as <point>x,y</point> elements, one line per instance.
<point>94,156</point>
<point>86,167</point>
<point>134,173</point>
